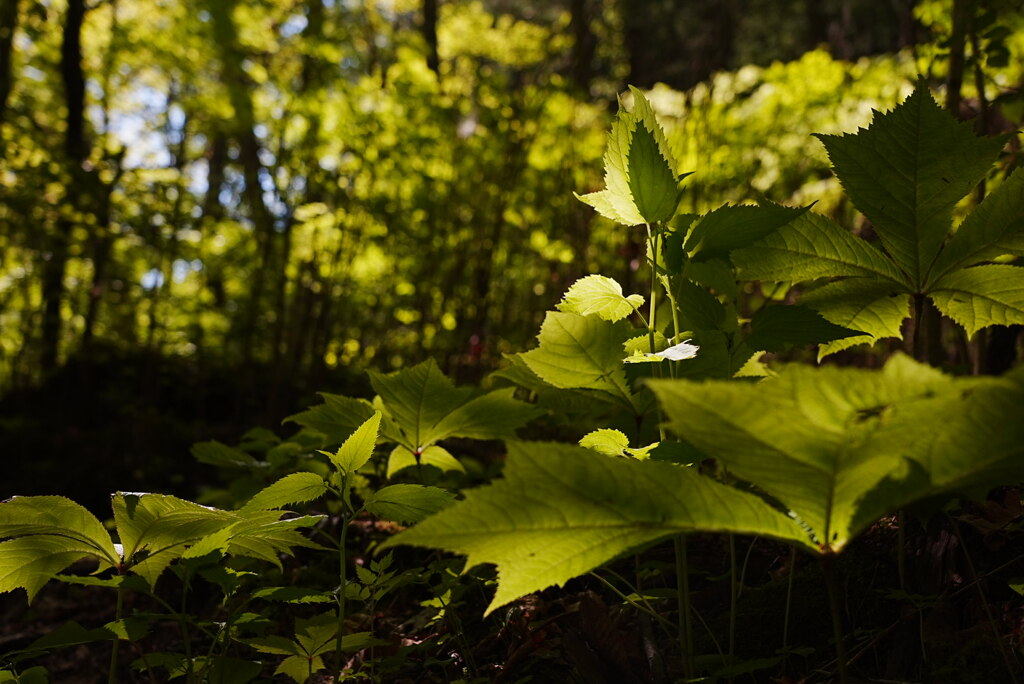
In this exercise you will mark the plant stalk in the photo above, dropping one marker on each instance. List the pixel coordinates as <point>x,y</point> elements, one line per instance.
<point>733,594</point>
<point>789,601</point>
<point>683,602</point>
<point>112,674</point>
<point>828,566</point>
<point>342,540</point>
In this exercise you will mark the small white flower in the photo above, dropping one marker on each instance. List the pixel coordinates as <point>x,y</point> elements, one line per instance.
<point>681,351</point>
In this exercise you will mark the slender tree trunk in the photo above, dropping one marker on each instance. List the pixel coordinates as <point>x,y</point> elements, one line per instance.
<point>584,45</point>
<point>226,35</point>
<point>957,41</point>
<point>75,152</point>
<point>430,35</point>
<point>8,25</point>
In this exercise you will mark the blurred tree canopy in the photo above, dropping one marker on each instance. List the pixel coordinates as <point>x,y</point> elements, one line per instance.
<point>289,187</point>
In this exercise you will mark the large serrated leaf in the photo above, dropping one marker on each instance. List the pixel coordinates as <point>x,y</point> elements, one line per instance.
<point>639,171</point>
<point>776,328</point>
<point>872,306</point>
<point>157,528</point>
<point>221,455</point>
<point>651,180</point>
<point>417,399</point>
<point>993,228</point>
<point>56,515</point>
<point>408,503</point>
<point>495,415</point>
<point>290,489</point>
<point>336,418</point>
<point>982,296</point>
<point>599,296</point>
<point>823,441</point>
<point>906,171</point>
<point>29,562</point>
<point>357,449</point>
<point>811,247</point>
<point>560,511</point>
<point>579,352</point>
<point>732,227</point>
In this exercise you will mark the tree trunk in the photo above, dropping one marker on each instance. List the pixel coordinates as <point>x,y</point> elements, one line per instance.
<point>430,35</point>
<point>226,35</point>
<point>8,25</point>
<point>584,45</point>
<point>75,152</point>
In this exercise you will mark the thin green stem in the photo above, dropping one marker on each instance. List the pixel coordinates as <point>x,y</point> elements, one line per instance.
<point>901,549</point>
<point>683,601</point>
<point>112,675</point>
<point>789,600</point>
<point>190,671</point>
<point>828,566</point>
<point>644,607</point>
<point>340,598</point>
<point>733,595</point>
<point>653,240</point>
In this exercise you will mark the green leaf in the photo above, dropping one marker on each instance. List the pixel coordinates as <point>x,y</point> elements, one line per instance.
<point>221,455</point>
<point>293,595</point>
<point>559,512</point>
<point>905,173</point>
<point>438,457</point>
<point>604,441</point>
<point>227,670</point>
<point>639,171</point>
<point>358,447</point>
<point>698,309</point>
<point>808,437</point>
<point>336,418</point>
<point>156,528</point>
<point>600,296</point>
<point>995,227</point>
<point>427,407</point>
<point>683,351</point>
<point>408,503</point>
<point>59,516</point>
<point>732,227</point>
<point>872,306</point>
<point>641,344</point>
<point>495,415</point>
<point>316,635</point>
<point>982,296</point>
<point>652,180</point>
<point>29,562</point>
<point>275,645</point>
<point>966,440</point>
<point>810,247</point>
<point>776,328</point>
<point>716,274</point>
<point>644,113</point>
<point>614,443</point>
<point>299,667</point>
<point>290,489</point>
<point>581,352</point>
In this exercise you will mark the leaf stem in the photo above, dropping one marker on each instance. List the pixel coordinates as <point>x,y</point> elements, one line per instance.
<point>644,606</point>
<point>112,674</point>
<point>734,582</point>
<point>341,596</point>
<point>828,567</point>
<point>789,601</point>
<point>683,601</point>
